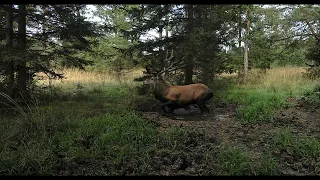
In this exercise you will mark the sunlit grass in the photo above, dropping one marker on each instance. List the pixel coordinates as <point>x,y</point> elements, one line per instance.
<point>289,79</point>
<point>75,76</point>
<point>83,84</point>
<point>262,94</point>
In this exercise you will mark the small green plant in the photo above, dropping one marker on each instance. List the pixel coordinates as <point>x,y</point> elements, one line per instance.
<point>269,165</point>
<point>233,162</point>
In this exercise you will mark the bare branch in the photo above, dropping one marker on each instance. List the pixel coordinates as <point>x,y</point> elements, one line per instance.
<point>173,66</point>
<point>170,58</point>
<point>313,31</point>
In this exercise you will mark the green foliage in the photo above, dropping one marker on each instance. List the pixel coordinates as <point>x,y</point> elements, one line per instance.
<point>107,57</point>
<point>206,46</point>
<point>314,62</point>
<point>55,35</point>
<point>109,54</point>
<point>313,96</point>
<point>306,16</point>
<point>69,40</point>
<point>203,42</point>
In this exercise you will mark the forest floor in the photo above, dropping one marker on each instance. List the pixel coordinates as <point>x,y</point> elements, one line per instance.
<point>224,128</point>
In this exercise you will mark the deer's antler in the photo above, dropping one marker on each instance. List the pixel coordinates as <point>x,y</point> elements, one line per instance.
<point>168,65</point>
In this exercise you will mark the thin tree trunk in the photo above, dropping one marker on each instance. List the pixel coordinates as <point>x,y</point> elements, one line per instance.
<point>167,20</point>
<point>160,31</point>
<point>160,47</point>
<point>239,38</point>
<point>189,59</point>
<point>246,61</point>
<point>239,35</point>
<point>9,39</point>
<point>167,33</point>
<point>22,70</point>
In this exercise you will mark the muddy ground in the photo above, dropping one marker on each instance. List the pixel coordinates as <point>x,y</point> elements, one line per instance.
<point>223,126</point>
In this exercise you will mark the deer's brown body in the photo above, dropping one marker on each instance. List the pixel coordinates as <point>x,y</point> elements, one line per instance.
<point>175,96</point>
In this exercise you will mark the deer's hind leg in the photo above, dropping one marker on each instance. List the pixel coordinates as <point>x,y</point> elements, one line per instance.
<point>170,107</point>
<point>202,105</point>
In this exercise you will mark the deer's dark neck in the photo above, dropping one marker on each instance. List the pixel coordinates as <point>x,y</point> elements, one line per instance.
<point>160,90</point>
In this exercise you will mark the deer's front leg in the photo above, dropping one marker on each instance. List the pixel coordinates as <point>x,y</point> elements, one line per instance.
<point>170,106</point>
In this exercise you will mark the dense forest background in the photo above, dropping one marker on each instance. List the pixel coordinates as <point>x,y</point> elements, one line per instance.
<point>72,101</point>
<point>211,39</point>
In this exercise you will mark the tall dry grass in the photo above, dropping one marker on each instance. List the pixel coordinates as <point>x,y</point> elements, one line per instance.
<point>76,79</point>
<point>281,78</point>
<point>285,76</point>
<point>77,75</point>
<point>276,77</point>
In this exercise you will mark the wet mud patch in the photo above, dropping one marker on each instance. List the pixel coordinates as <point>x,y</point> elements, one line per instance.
<point>214,124</point>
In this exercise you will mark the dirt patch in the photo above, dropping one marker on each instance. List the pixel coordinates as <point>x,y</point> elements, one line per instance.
<point>222,125</point>
<point>301,116</point>
<point>303,119</point>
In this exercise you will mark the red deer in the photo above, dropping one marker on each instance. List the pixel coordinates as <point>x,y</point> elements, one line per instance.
<point>175,96</point>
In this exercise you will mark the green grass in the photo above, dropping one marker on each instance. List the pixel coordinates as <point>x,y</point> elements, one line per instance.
<point>239,161</point>
<point>299,150</point>
<point>80,128</point>
<point>102,134</point>
<point>302,146</point>
<point>258,101</point>
<point>255,105</point>
<point>234,161</point>
<point>87,133</point>
<point>92,128</point>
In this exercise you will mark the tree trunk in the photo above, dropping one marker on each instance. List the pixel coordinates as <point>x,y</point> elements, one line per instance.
<point>9,39</point>
<point>239,33</point>
<point>246,61</point>
<point>239,39</point>
<point>22,70</point>
<point>189,59</point>
<point>167,20</point>
<point>167,34</point>
<point>160,31</point>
